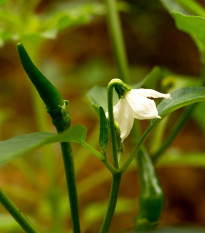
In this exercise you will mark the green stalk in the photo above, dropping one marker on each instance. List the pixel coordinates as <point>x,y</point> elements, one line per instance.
<point>71,184</point>
<point>100,157</point>
<point>16,213</point>
<point>178,126</point>
<point>112,202</point>
<point>134,152</point>
<point>112,124</point>
<point>61,120</point>
<point>117,40</point>
<point>180,123</point>
<point>121,89</point>
<point>158,135</point>
<point>59,112</point>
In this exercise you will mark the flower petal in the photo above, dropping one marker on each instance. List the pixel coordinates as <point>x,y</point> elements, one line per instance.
<point>150,93</point>
<point>142,107</point>
<point>124,115</point>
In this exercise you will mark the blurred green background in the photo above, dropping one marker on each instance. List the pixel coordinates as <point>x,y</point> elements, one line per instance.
<point>69,42</point>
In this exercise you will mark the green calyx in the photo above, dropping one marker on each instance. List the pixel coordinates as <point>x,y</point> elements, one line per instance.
<point>49,94</point>
<point>60,117</point>
<point>120,87</point>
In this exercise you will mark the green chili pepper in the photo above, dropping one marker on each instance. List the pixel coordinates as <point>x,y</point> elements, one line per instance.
<point>151,197</point>
<point>59,112</point>
<point>57,107</point>
<point>49,94</point>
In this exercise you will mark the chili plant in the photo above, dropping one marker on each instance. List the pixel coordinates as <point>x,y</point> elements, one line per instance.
<point>117,107</point>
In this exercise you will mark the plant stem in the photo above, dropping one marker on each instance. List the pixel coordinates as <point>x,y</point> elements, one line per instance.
<point>61,120</point>
<point>82,154</point>
<point>122,88</point>
<point>111,123</point>
<point>59,112</point>
<point>16,213</point>
<point>99,156</point>
<point>112,202</point>
<point>48,156</point>
<point>178,126</point>
<point>158,135</point>
<point>71,184</point>
<point>134,151</point>
<point>117,40</point>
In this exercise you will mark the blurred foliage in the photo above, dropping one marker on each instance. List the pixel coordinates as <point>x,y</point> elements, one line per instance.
<point>76,63</point>
<point>21,22</point>
<point>193,25</point>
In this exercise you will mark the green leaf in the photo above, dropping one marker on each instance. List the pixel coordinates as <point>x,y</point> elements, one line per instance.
<point>15,25</point>
<point>72,14</point>
<point>179,98</point>
<point>104,130</point>
<point>20,145</point>
<point>192,6</point>
<point>195,27</point>
<point>98,97</point>
<point>76,133</point>
<point>184,6</point>
<point>172,5</point>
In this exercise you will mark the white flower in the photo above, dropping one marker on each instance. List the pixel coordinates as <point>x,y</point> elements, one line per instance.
<point>135,104</point>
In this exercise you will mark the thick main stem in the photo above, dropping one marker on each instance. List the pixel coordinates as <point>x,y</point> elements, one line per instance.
<point>117,40</point>
<point>16,213</point>
<point>61,120</point>
<point>71,184</point>
<point>112,202</point>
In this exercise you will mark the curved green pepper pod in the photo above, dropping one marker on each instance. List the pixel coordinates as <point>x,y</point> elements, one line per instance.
<point>151,197</point>
<point>57,107</point>
<point>49,94</point>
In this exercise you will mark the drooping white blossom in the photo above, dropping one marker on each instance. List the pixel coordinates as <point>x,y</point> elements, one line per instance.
<point>136,104</point>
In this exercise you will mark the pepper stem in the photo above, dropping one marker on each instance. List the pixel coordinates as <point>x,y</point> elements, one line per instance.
<point>16,213</point>
<point>59,112</point>
<point>122,88</point>
<point>61,120</point>
<point>112,202</point>
<point>117,40</point>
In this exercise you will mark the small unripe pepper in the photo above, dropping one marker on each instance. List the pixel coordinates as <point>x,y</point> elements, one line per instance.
<point>59,112</point>
<point>56,106</point>
<point>151,196</point>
